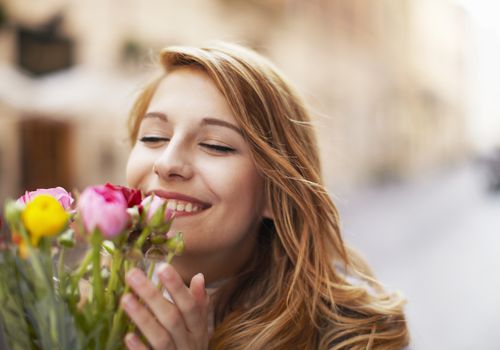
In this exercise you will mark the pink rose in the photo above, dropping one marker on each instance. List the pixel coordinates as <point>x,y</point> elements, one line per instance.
<point>104,208</point>
<point>58,193</point>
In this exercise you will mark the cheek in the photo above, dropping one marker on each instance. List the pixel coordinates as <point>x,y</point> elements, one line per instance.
<point>139,165</point>
<point>238,186</point>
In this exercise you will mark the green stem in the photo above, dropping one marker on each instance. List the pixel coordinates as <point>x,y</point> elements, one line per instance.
<point>46,249</point>
<point>142,237</point>
<point>33,257</point>
<point>62,286</point>
<point>118,319</point>
<point>131,326</point>
<point>151,269</point>
<point>150,274</point>
<point>60,273</point>
<point>115,332</point>
<point>81,271</point>
<point>46,277</point>
<point>113,279</point>
<point>53,325</point>
<point>170,257</point>
<point>97,285</point>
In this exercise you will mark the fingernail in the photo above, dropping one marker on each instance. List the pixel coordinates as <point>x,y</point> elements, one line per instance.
<point>135,277</point>
<point>129,302</point>
<point>132,339</point>
<point>162,267</point>
<point>201,277</point>
<point>165,270</point>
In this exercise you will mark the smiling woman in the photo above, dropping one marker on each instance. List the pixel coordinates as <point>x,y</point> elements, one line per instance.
<point>225,139</point>
<point>181,153</point>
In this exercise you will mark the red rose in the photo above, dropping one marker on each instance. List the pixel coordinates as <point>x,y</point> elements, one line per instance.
<point>132,195</point>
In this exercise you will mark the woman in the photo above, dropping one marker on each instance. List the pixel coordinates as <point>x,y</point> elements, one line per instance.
<point>226,140</point>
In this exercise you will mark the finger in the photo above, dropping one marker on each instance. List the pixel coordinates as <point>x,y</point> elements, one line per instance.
<point>134,343</point>
<point>167,314</point>
<point>157,336</point>
<point>193,312</point>
<point>197,288</point>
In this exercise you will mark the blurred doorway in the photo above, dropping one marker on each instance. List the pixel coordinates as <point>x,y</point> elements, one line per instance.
<point>45,154</point>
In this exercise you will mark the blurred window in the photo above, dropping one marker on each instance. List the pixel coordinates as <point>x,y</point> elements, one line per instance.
<point>45,154</point>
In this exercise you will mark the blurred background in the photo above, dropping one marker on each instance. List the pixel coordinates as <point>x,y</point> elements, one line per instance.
<point>405,95</point>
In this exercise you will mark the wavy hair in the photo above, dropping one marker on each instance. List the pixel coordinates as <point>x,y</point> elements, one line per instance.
<point>305,288</point>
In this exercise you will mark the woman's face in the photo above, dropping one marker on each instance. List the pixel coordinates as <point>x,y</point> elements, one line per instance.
<point>191,152</point>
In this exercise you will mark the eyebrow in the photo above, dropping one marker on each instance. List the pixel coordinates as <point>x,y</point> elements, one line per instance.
<point>159,115</point>
<point>219,122</point>
<point>205,121</point>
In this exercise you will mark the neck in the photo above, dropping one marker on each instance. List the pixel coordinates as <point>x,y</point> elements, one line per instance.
<point>215,266</point>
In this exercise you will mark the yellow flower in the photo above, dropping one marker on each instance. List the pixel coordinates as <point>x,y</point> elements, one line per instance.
<point>44,216</point>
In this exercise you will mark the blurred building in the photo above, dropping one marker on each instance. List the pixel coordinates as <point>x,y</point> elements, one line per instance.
<point>386,79</point>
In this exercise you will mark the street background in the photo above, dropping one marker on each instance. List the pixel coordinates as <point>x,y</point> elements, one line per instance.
<point>437,240</point>
<point>405,101</point>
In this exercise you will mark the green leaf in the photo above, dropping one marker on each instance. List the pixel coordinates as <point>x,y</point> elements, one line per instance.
<point>14,328</point>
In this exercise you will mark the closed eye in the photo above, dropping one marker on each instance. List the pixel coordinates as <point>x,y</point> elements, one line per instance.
<point>218,148</point>
<point>153,139</point>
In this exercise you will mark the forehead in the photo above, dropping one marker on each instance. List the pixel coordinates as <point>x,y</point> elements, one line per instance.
<point>190,92</point>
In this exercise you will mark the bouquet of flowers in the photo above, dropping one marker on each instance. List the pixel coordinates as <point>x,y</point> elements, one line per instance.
<point>47,301</point>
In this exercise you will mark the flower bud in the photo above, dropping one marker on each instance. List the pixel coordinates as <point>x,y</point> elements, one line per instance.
<point>135,215</point>
<point>109,246</point>
<point>157,239</point>
<point>157,216</point>
<point>12,211</point>
<point>134,255</point>
<point>175,244</point>
<point>67,239</point>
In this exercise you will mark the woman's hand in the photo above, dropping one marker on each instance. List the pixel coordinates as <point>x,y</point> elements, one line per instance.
<point>179,325</point>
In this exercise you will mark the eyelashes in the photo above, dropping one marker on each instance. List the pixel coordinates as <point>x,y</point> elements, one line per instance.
<point>155,140</point>
<point>218,148</point>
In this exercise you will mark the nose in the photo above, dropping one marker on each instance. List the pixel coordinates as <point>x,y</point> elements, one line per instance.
<point>174,163</point>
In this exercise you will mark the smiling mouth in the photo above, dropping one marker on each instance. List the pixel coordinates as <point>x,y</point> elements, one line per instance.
<point>181,204</point>
<point>183,208</point>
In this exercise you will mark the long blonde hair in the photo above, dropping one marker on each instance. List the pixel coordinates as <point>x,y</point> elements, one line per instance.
<point>298,291</point>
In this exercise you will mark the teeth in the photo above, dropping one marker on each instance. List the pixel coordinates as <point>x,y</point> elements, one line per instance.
<point>176,205</point>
